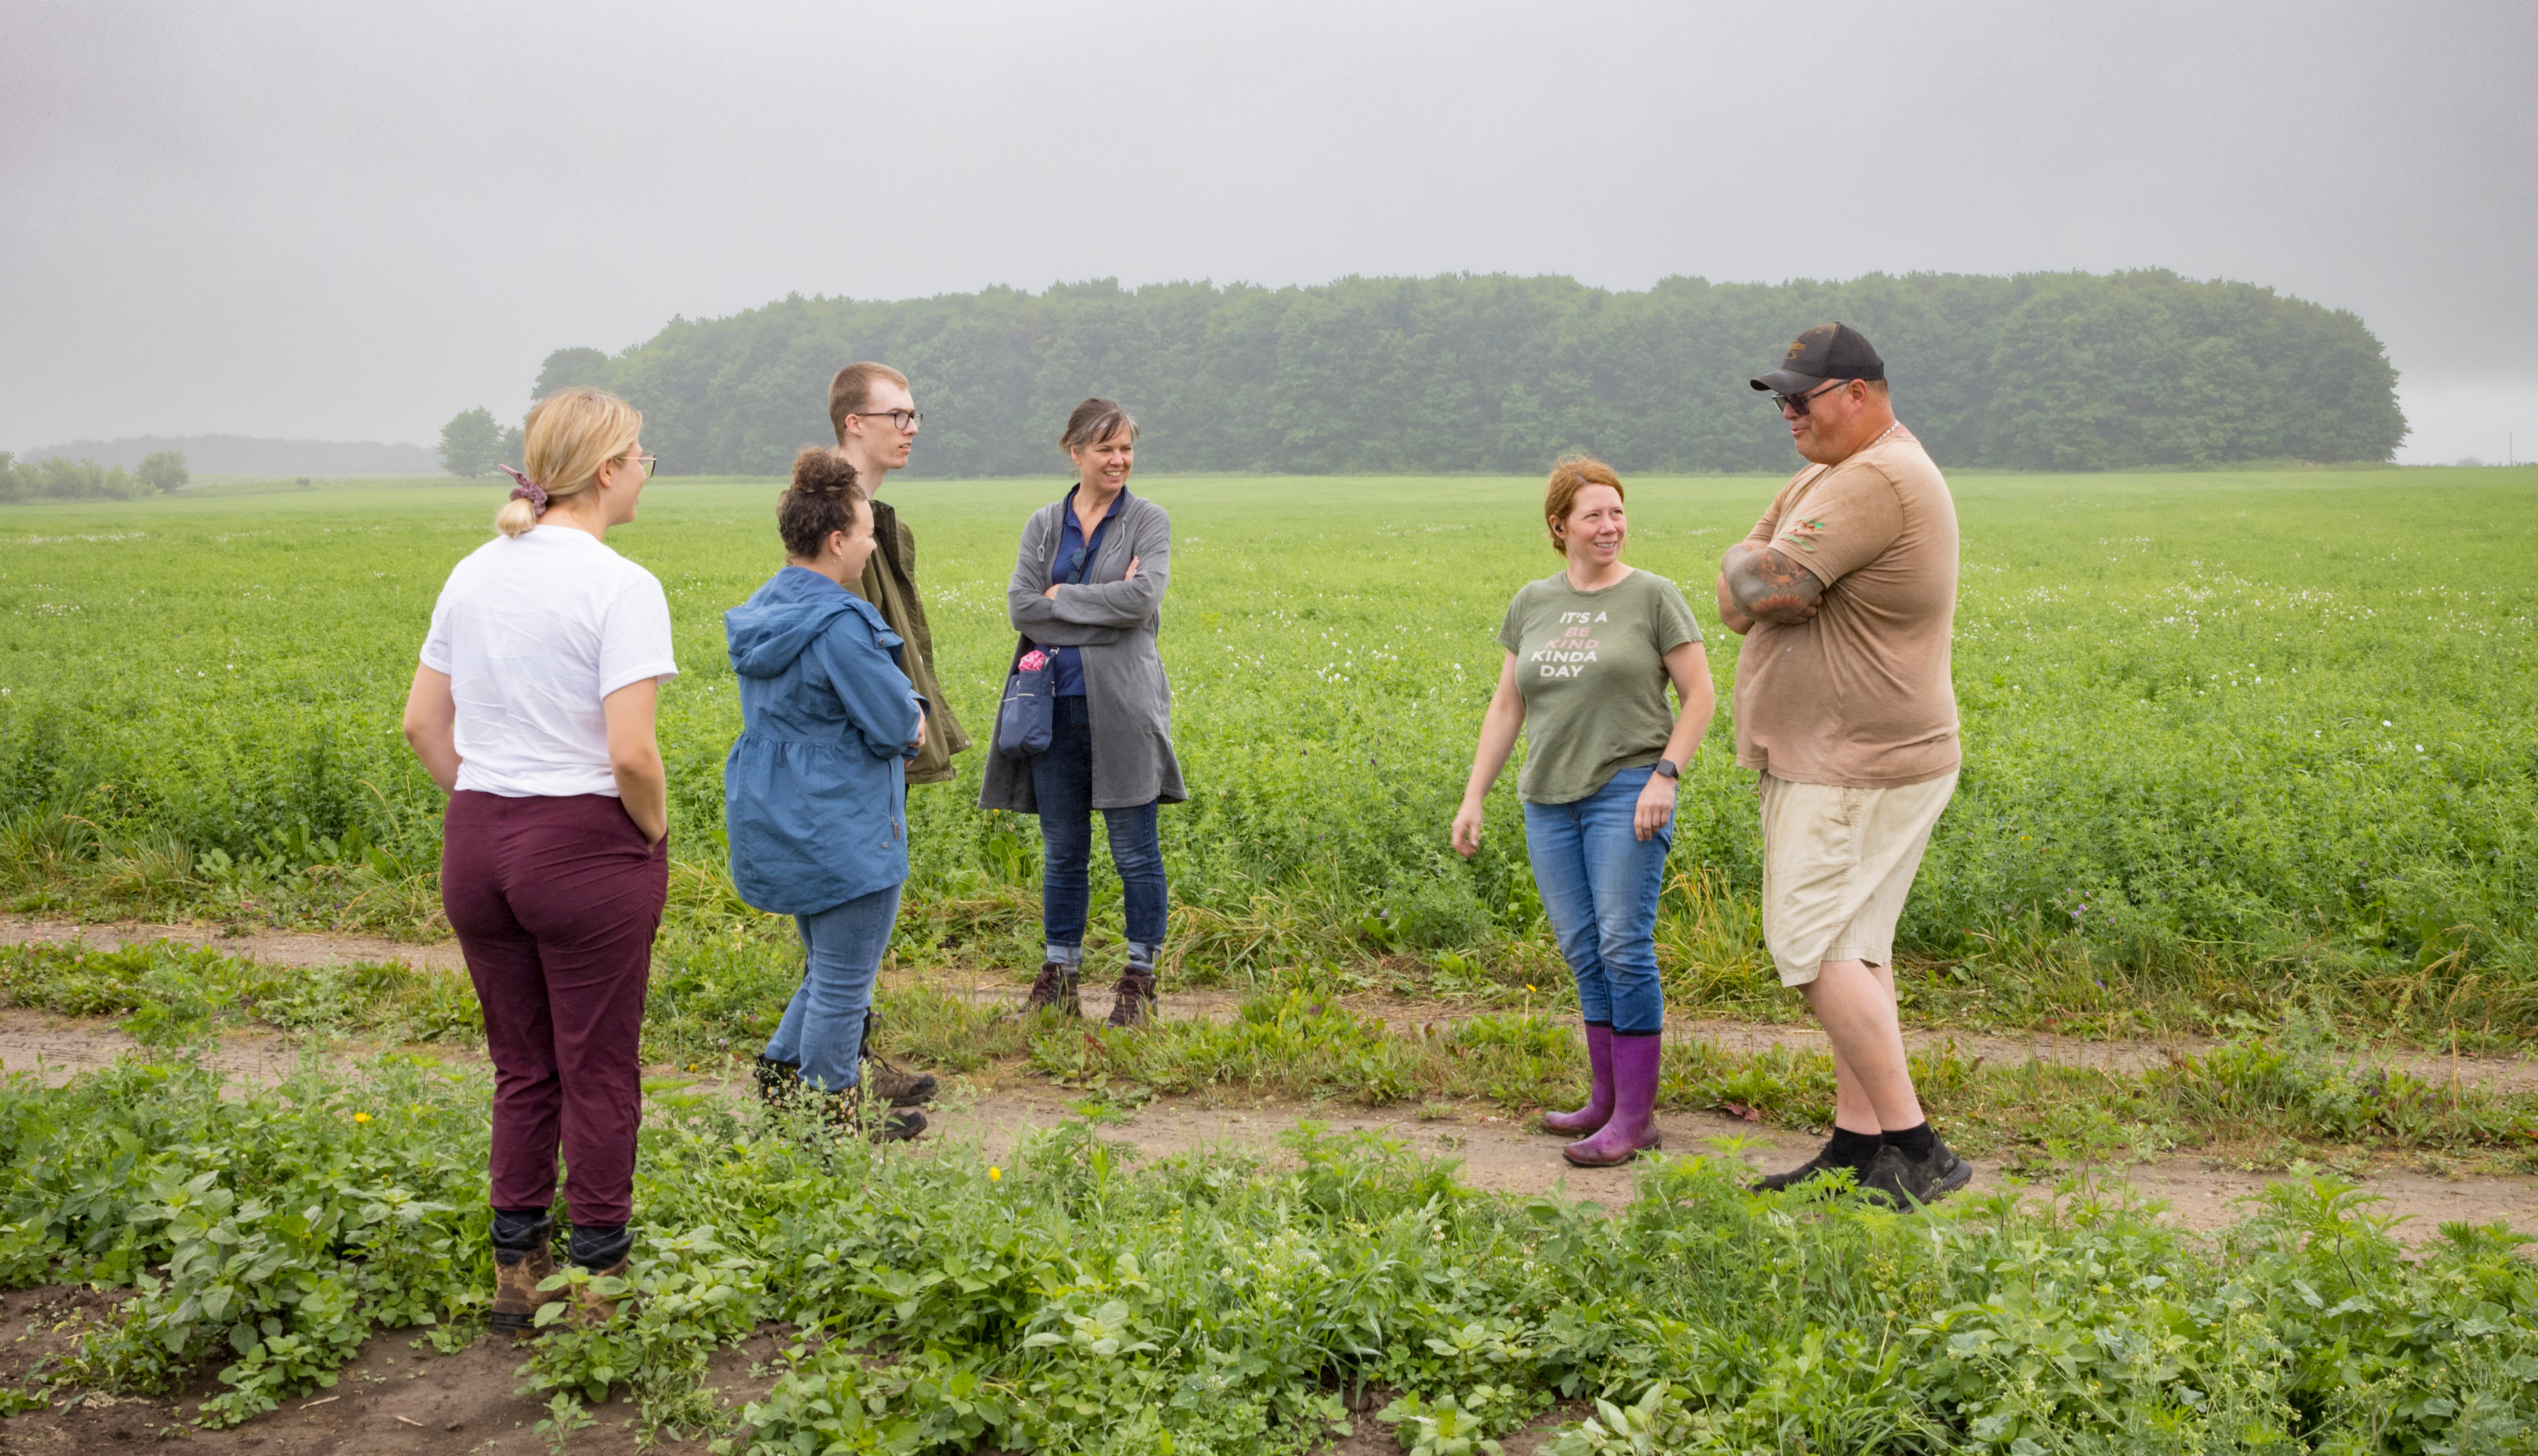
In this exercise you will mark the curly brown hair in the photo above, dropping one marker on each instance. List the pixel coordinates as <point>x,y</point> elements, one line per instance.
<point>822,497</point>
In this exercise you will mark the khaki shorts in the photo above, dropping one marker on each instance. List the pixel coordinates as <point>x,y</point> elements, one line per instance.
<point>1836,864</point>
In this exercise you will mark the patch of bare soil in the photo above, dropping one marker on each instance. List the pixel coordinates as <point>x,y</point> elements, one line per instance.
<point>278,947</point>
<point>399,1395</point>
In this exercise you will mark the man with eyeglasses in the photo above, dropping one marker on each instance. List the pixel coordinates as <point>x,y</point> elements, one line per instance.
<point>877,420</point>
<point>1846,594</point>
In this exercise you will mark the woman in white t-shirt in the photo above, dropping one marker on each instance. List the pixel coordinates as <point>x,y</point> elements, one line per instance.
<point>533,710</point>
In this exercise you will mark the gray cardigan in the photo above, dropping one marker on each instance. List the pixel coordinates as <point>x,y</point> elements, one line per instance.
<point>1127,696</point>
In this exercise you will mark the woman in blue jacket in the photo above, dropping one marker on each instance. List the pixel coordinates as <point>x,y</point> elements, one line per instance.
<point>814,792</point>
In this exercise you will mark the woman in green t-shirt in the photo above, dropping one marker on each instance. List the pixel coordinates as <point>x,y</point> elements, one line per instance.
<point>1590,652</point>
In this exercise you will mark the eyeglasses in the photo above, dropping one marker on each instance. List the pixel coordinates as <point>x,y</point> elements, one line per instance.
<point>1798,402</point>
<point>649,463</point>
<point>899,420</point>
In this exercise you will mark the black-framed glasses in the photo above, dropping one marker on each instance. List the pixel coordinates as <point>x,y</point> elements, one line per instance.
<point>899,420</point>
<point>1798,402</point>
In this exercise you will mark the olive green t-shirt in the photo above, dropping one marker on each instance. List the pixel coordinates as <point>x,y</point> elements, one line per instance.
<point>1591,665</point>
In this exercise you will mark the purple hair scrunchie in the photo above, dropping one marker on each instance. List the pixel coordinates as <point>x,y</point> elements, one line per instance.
<point>527,490</point>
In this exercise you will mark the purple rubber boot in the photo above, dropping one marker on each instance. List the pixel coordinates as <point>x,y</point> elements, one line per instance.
<point>1633,1127</point>
<point>1599,1101</point>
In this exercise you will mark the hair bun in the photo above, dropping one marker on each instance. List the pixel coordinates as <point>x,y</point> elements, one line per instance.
<point>824,472</point>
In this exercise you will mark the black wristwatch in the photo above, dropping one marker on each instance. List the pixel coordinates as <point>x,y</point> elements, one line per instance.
<point>1670,769</point>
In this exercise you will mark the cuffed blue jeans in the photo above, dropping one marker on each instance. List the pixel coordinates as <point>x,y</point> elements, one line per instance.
<point>823,1030</point>
<point>1599,885</point>
<point>1062,781</point>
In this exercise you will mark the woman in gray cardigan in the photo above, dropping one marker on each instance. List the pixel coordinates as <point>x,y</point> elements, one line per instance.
<point>1088,589</point>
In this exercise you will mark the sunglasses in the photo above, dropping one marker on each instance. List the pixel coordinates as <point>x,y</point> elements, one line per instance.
<point>1798,402</point>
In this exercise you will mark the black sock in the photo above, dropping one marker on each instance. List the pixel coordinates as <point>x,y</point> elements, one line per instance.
<point>1914,1142</point>
<point>1851,1149</point>
<point>599,1246</point>
<point>517,1233</point>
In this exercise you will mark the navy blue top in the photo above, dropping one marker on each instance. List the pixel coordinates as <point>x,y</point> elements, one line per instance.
<point>1068,662</point>
<point>813,789</point>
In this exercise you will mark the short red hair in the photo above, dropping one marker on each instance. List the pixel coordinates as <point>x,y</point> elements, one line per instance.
<point>1574,473</point>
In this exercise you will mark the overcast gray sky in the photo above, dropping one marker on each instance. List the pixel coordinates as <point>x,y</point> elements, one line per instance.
<point>352,222</point>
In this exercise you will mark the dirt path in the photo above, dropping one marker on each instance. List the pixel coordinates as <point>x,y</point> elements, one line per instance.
<point>1495,1153</point>
<point>299,947</point>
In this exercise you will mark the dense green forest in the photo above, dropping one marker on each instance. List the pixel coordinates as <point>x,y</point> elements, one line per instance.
<point>2050,371</point>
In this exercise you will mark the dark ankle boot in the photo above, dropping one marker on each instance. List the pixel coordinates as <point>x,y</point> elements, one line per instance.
<point>1132,1004</point>
<point>1054,986</point>
<point>1599,1099</point>
<point>523,1258</point>
<point>887,1080</point>
<point>1633,1129</point>
<point>778,1083</point>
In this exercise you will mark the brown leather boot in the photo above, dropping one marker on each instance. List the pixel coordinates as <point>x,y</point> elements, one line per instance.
<point>590,1307</point>
<point>1132,1002</point>
<point>516,1299</point>
<point>886,1080</point>
<point>1053,986</point>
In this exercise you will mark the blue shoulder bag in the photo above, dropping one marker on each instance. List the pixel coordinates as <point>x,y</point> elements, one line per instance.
<point>1027,719</point>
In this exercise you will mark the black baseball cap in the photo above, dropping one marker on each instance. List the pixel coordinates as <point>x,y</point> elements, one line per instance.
<point>1829,351</point>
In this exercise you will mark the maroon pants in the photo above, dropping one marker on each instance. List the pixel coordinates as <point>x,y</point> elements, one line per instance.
<point>556,901</point>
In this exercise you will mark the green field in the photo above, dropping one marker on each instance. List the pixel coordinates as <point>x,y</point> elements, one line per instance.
<point>2232,740</point>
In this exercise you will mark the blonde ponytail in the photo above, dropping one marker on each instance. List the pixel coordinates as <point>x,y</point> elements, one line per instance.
<point>569,435</point>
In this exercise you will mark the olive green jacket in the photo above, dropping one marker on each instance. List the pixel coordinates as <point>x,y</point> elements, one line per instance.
<point>888,582</point>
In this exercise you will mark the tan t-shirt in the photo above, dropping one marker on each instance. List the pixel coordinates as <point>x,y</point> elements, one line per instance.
<point>1858,697</point>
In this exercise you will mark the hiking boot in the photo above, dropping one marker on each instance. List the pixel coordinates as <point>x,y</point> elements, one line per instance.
<point>886,1080</point>
<point>780,1083</point>
<point>1900,1183</point>
<point>1053,986</point>
<point>1132,1002</point>
<point>844,1113</point>
<point>591,1307</point>
<point>520,1265</point>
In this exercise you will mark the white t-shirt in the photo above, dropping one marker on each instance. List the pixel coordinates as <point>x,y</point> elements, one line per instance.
<point>534,630</point>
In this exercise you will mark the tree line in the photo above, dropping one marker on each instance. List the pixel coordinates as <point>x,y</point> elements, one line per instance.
<point>2038,372</point>
<point>58,479</point>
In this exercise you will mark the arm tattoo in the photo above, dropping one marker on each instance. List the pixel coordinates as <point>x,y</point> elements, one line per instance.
<point>1768,586</point>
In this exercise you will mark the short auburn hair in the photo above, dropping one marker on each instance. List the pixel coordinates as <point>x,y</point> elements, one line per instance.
<point>1574,473</point>
<point>851,390</point>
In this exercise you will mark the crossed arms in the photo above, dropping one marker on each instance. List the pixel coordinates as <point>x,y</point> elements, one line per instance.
<point>1090,614</point>
<point>1757,583</point>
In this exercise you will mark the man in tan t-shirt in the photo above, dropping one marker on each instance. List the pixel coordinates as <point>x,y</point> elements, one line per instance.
<point>1846,594</point>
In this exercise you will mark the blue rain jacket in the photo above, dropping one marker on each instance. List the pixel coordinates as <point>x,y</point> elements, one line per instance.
<point>814,790</point>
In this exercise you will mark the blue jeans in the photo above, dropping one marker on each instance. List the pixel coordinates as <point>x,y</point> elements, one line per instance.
<point>824,1025</point>
<point>1599,885</point>
<point>1062,781</point>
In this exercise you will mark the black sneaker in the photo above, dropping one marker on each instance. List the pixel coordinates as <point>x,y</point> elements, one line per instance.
<point>1823,1164</point>
<point>1900,1183</point>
